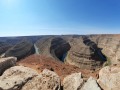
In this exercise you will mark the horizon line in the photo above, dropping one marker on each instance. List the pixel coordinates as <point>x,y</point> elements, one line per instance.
<point>58,35</point>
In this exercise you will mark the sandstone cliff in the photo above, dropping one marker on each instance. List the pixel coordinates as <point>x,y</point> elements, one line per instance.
<point>4,47</point>
<point>21,49</point>
<point>53,46</point>
<point>85,53</point>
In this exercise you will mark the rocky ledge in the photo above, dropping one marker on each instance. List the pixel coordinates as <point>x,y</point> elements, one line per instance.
<point>25,78</point>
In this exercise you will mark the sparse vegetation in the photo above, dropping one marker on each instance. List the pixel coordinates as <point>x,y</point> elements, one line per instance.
<point>108,62</point>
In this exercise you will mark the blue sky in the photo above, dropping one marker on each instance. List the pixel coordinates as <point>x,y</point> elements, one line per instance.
<point>44,17</point>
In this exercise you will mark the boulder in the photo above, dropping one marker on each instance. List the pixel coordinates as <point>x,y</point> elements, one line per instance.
<point>15,77</point>
<point>109,78</point>
<point>91,84</point>
<point>6,63</point>
<point>73,82</point>
<point>47,80</point>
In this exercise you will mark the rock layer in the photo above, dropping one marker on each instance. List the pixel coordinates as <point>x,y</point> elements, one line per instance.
<point>44,45</point>
<point>4,47</point>
<point>21,49</point>
<point>110,46</point>
<point>85,54</point>
<point>59,47</point>
<point>55,47</point>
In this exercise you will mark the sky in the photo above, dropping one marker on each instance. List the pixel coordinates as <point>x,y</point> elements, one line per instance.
<point>59,17</point>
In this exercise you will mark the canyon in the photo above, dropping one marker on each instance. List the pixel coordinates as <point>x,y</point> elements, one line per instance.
<point>60,62</point>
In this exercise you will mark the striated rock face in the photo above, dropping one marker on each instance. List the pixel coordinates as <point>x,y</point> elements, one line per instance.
<point>85,54</point>
<point>55,47</point>
<point>110,46</point>
<point>21,50</point>
<point>4,47</point>
<point>47,80</point>
<point>15,77</point>
<point>6,63</point>
<point>109,78</point>
<point>73,82</point>
<point>91,84</point>
<point>44,45</point>
<point>83,51</point>
<point>59,48</point>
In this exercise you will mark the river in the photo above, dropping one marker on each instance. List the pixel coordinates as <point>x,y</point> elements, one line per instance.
<point>64,56</point>
<point>101,55</point>
<point>36,49</point>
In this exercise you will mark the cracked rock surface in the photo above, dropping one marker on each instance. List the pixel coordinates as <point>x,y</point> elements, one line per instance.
<point>109,78</point>
<point>47,80</point>
<point>15,77</point>
<point>73,82</point>
<point>91,84</point>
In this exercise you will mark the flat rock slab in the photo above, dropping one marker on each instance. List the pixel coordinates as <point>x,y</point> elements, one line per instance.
<point>15,77</point>
<point>91,84</point>
<point>109,78</point>
<point>47,80</point>
<point>73,82</point>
